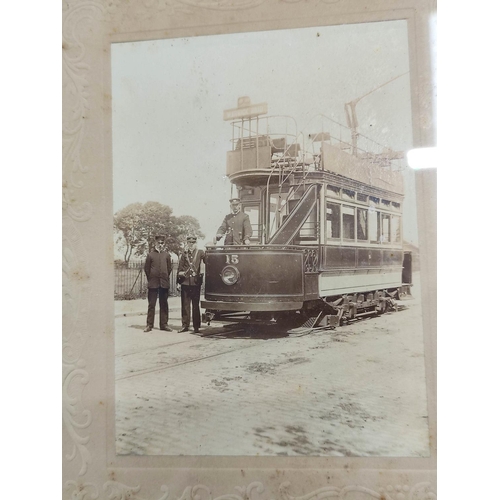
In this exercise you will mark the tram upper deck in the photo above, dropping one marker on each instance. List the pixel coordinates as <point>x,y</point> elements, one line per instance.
<point>265,148</point>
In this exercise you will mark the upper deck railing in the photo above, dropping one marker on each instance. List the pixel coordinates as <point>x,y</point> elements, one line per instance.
<point>272,144</point>
<point>263,142</point>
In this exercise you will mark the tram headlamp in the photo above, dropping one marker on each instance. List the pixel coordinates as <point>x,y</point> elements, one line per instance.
<point>230,275</point>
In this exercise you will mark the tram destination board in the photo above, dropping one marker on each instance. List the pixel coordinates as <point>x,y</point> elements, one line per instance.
<point>248,111</point>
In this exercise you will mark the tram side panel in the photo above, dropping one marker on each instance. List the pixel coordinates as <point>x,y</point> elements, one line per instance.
<point>348,270</point>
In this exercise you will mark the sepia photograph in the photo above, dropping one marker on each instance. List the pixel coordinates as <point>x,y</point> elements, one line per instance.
<point>267,285</point>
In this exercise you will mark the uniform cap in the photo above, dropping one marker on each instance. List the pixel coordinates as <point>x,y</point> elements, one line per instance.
<point>234,201</point>
<point>191,238</point>
<point>160,236</point>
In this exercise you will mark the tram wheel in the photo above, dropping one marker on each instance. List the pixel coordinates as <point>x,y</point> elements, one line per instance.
<point>352,312</point>
<point>382,306</point>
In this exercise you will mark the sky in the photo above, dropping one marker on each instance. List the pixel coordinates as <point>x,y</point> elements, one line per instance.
<point>169,138</point>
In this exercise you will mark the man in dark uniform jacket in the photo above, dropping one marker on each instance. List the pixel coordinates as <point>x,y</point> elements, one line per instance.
<point>236,226</point>
<point>158,267</point>
<point>190,280</point>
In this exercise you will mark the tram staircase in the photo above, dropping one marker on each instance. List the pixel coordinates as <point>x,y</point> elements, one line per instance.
<point>299,214</point>
<point>306,196</point>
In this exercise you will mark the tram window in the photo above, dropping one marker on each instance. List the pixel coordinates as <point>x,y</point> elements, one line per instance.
<point>374,200</point>
<point>362,224</point>
<point>334,191</point>
<point>333,220</point>
<point>396,228</point>
<point>373,229</point>
<point>347,194</point>
<point>387,203</point>
<point>385,227</point>
<point>396,205</point>
<point>347,222</point>
<point>276,216</point>
<point>362,197</point>
<point>253,212</point>
<point>308,229</point>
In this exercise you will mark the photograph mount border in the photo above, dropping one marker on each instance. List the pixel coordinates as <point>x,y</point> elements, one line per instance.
<point>90,467</point>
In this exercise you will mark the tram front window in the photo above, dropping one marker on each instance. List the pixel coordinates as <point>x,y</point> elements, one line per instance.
<point>308,230</point>
<point>253,212</point>
<point>277,211</point>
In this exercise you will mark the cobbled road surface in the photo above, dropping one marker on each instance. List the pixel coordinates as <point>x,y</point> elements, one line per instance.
<point>358,390</point>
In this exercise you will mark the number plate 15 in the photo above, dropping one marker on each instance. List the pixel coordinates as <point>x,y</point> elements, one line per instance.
<point>232,259</point>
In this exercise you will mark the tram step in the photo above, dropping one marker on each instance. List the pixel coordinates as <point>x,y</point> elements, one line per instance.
<point>307,326</point>
<point>309,323</point>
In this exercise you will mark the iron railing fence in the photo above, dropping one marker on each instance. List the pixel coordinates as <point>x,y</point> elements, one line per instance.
<point>131,282</point>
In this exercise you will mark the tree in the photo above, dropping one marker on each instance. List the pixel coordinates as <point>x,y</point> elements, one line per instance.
<point>128,222</point>
<point>183,226</point>
<point>137,225</point>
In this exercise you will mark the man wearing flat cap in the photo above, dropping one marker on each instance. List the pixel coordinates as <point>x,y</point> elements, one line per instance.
<point>190,280</point>
<point>236,226</point>
<point>158,267</point>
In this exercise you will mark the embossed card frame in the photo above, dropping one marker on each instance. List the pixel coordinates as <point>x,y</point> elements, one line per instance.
<point>90,467</point>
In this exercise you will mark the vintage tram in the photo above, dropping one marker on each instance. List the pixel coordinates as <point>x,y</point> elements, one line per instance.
<point>326,214</point>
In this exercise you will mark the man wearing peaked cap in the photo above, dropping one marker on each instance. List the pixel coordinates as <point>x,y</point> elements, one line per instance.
<point>158,267</point>
<point>236,226</point>
<point>190,280</point>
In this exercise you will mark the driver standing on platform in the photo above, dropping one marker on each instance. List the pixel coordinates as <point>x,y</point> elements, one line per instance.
<point>236,226</point>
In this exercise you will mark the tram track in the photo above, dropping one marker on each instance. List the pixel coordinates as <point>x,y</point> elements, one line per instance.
<point>175,365</point>
<point>155,348</point>
<point>230,329</point>
<point>237,329</point>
